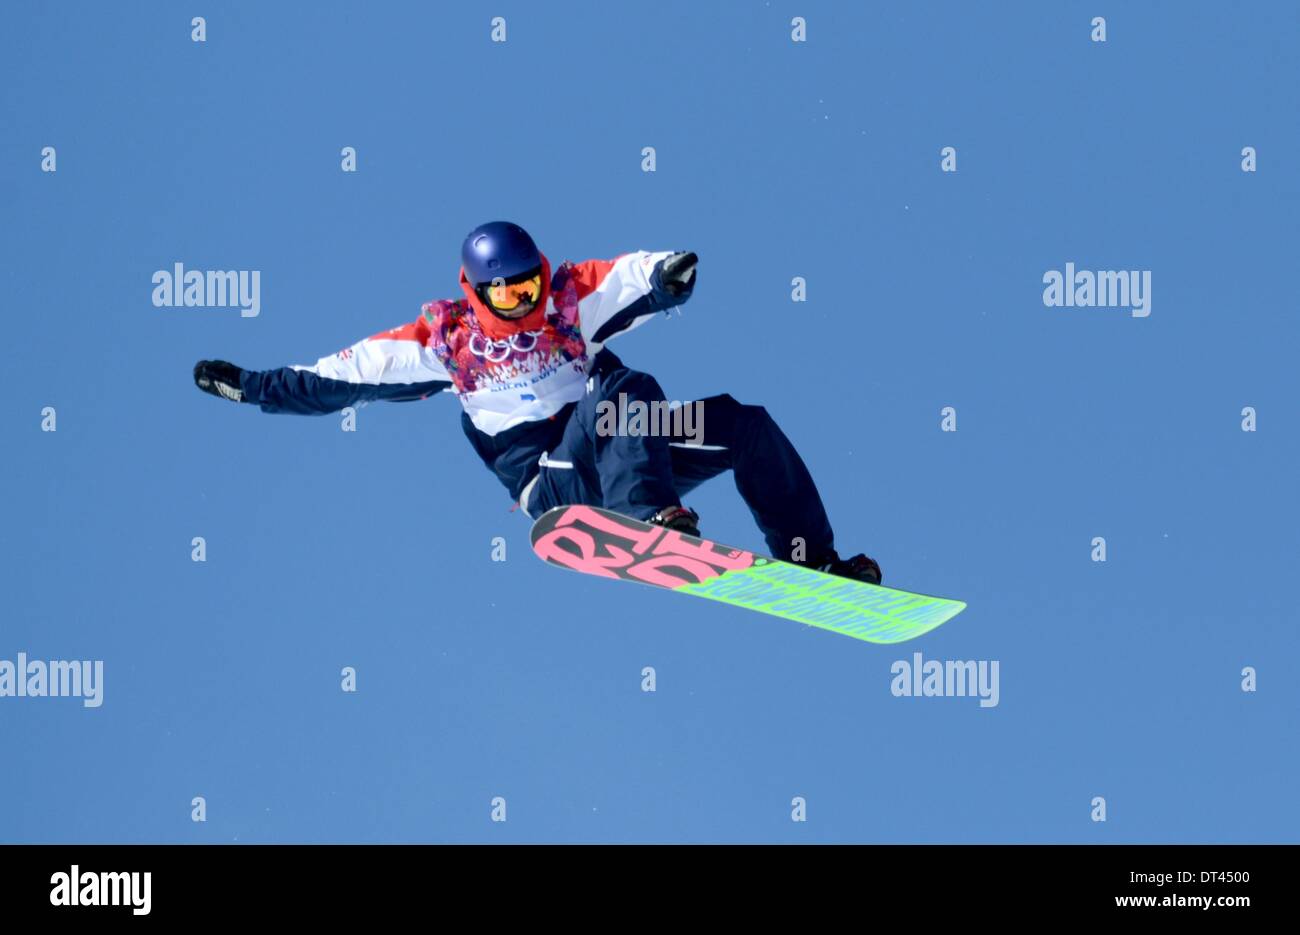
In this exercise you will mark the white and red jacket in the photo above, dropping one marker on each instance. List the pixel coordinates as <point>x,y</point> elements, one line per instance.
<point>515,380</point>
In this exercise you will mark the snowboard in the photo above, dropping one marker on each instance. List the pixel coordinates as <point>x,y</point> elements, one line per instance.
<point>609,545</point>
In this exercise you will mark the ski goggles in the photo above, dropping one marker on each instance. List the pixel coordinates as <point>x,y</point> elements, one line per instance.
<point>513,298</point>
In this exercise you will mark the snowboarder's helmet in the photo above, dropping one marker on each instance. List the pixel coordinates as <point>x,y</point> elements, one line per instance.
<point>504,266</point>
<point>499,248</point>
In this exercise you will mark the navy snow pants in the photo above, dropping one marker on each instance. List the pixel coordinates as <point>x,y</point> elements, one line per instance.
<point>640,474</point>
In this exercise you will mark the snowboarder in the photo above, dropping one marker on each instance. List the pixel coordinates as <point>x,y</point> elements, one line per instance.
<point>524,351</point>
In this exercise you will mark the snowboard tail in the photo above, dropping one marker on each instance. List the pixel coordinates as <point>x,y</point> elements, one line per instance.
<point>600,542</point>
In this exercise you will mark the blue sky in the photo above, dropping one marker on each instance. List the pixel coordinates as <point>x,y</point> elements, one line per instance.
<point>775,159</point>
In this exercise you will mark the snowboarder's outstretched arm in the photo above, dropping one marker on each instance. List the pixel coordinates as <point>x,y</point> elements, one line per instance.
<point>618,295</point>
<point>396,365</point>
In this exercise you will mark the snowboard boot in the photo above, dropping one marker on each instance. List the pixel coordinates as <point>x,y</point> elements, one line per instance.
<point>859,568</point>
<point>678,518</point>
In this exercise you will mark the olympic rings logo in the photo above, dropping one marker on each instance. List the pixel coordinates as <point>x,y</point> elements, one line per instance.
<point>497,351</point>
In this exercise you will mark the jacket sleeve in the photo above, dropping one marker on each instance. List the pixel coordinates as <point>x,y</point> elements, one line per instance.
<point>397,365</point>
<point>618,295</point>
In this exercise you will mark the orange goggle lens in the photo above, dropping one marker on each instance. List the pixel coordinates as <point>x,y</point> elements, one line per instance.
<point>507,297</point>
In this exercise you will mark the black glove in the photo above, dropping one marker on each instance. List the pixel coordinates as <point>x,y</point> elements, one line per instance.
<point>219,378</point>
<point>678,272</point>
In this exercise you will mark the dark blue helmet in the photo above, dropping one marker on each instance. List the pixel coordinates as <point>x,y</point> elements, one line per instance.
<point>499,249</point>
